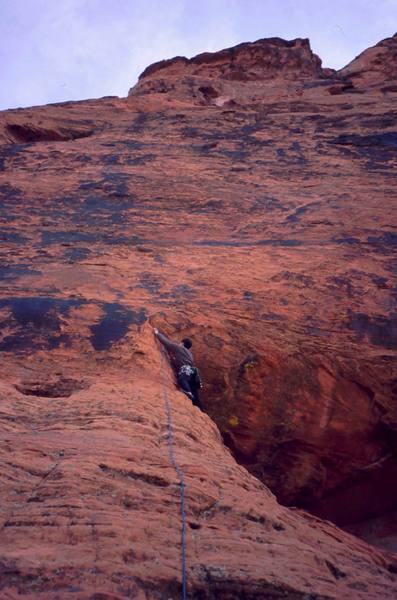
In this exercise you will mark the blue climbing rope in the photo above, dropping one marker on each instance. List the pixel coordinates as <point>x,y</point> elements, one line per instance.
<point>178,470</point>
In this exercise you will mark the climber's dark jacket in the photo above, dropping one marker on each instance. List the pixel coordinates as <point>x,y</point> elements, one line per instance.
<point>179,354</point>
<point>187,374</point>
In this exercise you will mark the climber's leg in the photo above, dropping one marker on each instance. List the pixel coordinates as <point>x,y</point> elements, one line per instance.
<point>195,391</point>
<point>184,384</point>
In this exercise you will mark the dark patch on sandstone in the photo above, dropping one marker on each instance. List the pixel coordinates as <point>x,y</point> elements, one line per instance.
<point>73,236</point>
<point>190,132</point>
<point>376,147</point>
<point>209,92</point>
<point>150,282</point>
<point>82,159</point>
<point>294,278</point>
<point>141,160</point>
<point>343,284</point>
<point>146,477</point>
<point>35,321</point>
<point>49,238</point>
<point>101,210</point>
<point>220,243</point>
<point>112,184</point>
<point>207,207</point>
<point>386,242</point>
<point>248,363</point>
<point>62,388</point>
<point>114,325</point>
<point>12,236</point>
<point>388,139</point>
<point>381,331</point>
<point>28,133</point>
<point>205,149</point>
<point>77,254</point>
<point>377,121</point>
<point>111,159</point>
<point>139,123</point>
<point>273,317</point>
<point>9,192</point>
<point>11,272</point>
<point>115,184</point>
<point>186,291</point>
<point>334,570</point>
<point>349,240</point>
<point>12,151</point>
<point>380,282</point>
<point>132,144</point>
<point>301,211</point>
<point>267,204</point>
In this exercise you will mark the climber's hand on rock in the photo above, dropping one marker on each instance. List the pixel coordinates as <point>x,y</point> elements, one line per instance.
<point>156,331</point>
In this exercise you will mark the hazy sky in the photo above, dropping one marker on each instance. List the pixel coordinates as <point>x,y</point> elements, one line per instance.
<point>55,50</point>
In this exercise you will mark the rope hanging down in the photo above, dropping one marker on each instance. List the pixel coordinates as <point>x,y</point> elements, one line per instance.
<point>178,471</point>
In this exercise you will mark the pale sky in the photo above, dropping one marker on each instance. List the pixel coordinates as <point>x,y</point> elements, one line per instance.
<point>56,50</point>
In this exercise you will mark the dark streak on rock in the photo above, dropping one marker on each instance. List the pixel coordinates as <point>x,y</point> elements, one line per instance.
<point>114,325</point>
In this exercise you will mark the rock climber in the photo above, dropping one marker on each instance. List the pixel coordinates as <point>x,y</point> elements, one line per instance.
<point>182,360</point>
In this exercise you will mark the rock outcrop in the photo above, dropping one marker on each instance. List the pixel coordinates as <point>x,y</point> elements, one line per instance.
<point>248,72</point>
<point>254,215</point>
<point>375,67</point>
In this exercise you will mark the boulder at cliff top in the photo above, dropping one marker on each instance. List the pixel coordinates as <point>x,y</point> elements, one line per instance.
<point>256,219</point>
<point>246,73</point>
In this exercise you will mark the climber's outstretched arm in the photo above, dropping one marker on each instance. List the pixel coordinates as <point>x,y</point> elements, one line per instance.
<point>165,341</point>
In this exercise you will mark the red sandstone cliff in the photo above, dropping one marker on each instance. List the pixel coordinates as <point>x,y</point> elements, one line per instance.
<point>92,505</point>
<point>376,67</point>
<point>245,73</point>
<point>244,198</point>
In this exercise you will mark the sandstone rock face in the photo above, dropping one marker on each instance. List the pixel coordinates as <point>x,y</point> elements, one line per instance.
<point>91,505</point>
<point>376,67</point>
<point>256,217</point>
<point>244,73</point>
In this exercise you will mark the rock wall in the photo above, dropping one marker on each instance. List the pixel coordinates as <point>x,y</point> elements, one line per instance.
<point>258,220</point>
<point>91,505</point>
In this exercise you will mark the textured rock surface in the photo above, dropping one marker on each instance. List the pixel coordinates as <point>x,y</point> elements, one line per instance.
<point>376,67</point>
<point>254,215</point>
<point>91,505</point>
<point>248,72</point>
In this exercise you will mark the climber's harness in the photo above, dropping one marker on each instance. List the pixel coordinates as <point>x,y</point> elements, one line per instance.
<point>187,370</point>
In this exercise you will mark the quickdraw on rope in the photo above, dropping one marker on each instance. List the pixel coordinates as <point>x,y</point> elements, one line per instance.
<point>178,471</point>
